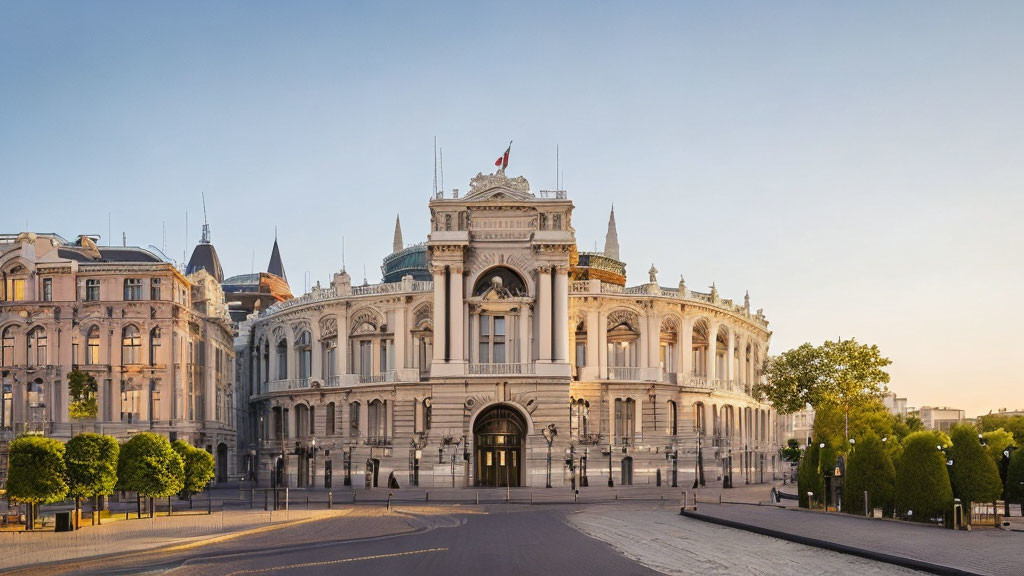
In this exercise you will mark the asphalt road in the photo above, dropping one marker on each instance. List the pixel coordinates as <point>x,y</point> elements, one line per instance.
<point>508,539</point>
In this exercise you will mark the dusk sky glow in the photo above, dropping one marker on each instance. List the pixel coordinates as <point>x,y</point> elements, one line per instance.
<point>856,167</point>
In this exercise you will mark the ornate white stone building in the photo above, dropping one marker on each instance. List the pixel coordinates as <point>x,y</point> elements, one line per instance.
<point>519,356</point>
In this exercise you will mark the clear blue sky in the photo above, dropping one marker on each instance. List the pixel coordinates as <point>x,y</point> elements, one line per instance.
<point>856,166</point>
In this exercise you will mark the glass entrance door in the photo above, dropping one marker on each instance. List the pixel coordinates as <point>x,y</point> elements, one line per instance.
<point>497,466</point>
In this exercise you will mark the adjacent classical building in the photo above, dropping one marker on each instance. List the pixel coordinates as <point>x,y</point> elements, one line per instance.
<point>158,344</point>
<point>503,357</point>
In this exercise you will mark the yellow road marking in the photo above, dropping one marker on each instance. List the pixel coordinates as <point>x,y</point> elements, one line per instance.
<point>342,561</point>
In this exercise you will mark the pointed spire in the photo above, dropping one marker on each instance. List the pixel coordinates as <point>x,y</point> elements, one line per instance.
<point>276,266</point>
<point>611,239</point>
<point>397,245</point>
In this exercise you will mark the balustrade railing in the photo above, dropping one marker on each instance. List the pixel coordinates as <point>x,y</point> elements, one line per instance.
<point>379,378</point>
<point>487,369</point>
<point>623,373</point>
<point>287,384</point>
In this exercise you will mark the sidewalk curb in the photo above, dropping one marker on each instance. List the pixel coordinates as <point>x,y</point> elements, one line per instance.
<point>833,546</point>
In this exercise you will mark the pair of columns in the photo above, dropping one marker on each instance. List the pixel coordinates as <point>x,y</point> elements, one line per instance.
<point>552,313</point>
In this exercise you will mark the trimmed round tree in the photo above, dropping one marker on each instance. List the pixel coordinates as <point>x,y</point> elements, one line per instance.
<point>36,472</point>
<point>91,461</point>
<point>974,476</point>
<point>198,465</point>
<point>810,474</point>
<point>1015,478</point>
<point>149,466</point>
<point>922,482</point>
<point>870,469</point>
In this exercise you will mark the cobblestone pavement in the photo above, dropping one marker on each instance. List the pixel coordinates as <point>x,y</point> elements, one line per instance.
<point>661,539</point>
<point>981,551</point>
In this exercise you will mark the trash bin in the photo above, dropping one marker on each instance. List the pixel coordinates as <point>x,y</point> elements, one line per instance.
<point>63,522</point>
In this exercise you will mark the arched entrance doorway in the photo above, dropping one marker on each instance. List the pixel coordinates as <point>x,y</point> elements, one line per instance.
<point>498,435</point>
<point>222,462</point>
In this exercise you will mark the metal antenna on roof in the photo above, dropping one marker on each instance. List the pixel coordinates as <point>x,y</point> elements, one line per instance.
<point>206,224</point>
<point>124,240</point>
<point>435,166</point>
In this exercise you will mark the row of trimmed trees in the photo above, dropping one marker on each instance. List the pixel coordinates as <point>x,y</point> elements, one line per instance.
<point>916,478</point>
<point>44,470</point>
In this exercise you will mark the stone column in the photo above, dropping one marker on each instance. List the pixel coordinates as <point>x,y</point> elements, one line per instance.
<point>343,344</point>
<point>543,314</point>
<point>730,356</point>
<point>400,336</point>
<point>456,305</point>
<point>593,339</point>
<point>316,350</point>
<point>439,317</point>
<point>653,340</point>
<point>741,376</point>
<point>712,352</point>
<point>602,345</point>
<point>561,311</point>
<point>686,367</point>
<point>642,352</point>
<point>524,334</point>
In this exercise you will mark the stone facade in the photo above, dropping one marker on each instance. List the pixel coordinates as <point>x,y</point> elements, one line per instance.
<point>503,368</point>
<point>158,343</point>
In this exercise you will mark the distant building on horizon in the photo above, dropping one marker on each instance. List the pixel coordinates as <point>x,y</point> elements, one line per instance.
<point>940,418</point>
<point>897,406</point>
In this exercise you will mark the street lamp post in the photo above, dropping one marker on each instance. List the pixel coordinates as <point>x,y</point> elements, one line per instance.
<point>312,476</point>
<point>1007,454</point>
<point>611,483</point>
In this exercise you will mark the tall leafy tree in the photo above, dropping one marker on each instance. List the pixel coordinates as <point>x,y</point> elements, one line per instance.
<point>149,466</point>
<point>866,416</point>
<point>198,467</point>
<point>1012,424</point>
<point>1015,478</point>
<point>36,472</point>
<point>91,461</point>
<point>996,442</point>
<point>869,469</point>
<point>974,475</point>
<point>922,482</point>
<point>843,373</point>
<point>82,395</point>
<point>808,476</point>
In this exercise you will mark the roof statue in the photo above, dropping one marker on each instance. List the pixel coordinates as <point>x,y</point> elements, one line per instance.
<point>276,266</point>
<point>653,274</point>
<point>611,239</point>
<point>397,245</point>
<point>682,286</point>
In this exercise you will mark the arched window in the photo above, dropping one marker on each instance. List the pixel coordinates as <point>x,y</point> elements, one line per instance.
<point>282,359</point>
<point>329,358</point>
<point>7,347</point>
<point>353,420</point>
<point>154,345</point>
<point>131,345</point>
<point>302,419</point>
<point>304,354</point>
<point>699,418</point>
<point>377,420</point>
<point>35,347</point>
<point>330,419</point>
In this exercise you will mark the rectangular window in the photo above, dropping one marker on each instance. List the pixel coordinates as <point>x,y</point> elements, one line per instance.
<point>133,288</point>
<point>154,289</point>
<point>92,290</point>
<point>47,289</point>
<point>492,339</point>
<point>16,289</point>
<point>365,357</point>
<point>353,420</point>
<point>581,353</point>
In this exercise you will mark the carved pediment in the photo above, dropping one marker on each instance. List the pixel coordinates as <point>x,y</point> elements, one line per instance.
<point>498,187</point>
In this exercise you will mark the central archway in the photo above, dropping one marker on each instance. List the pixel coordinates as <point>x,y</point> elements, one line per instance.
<point>498,435</point>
